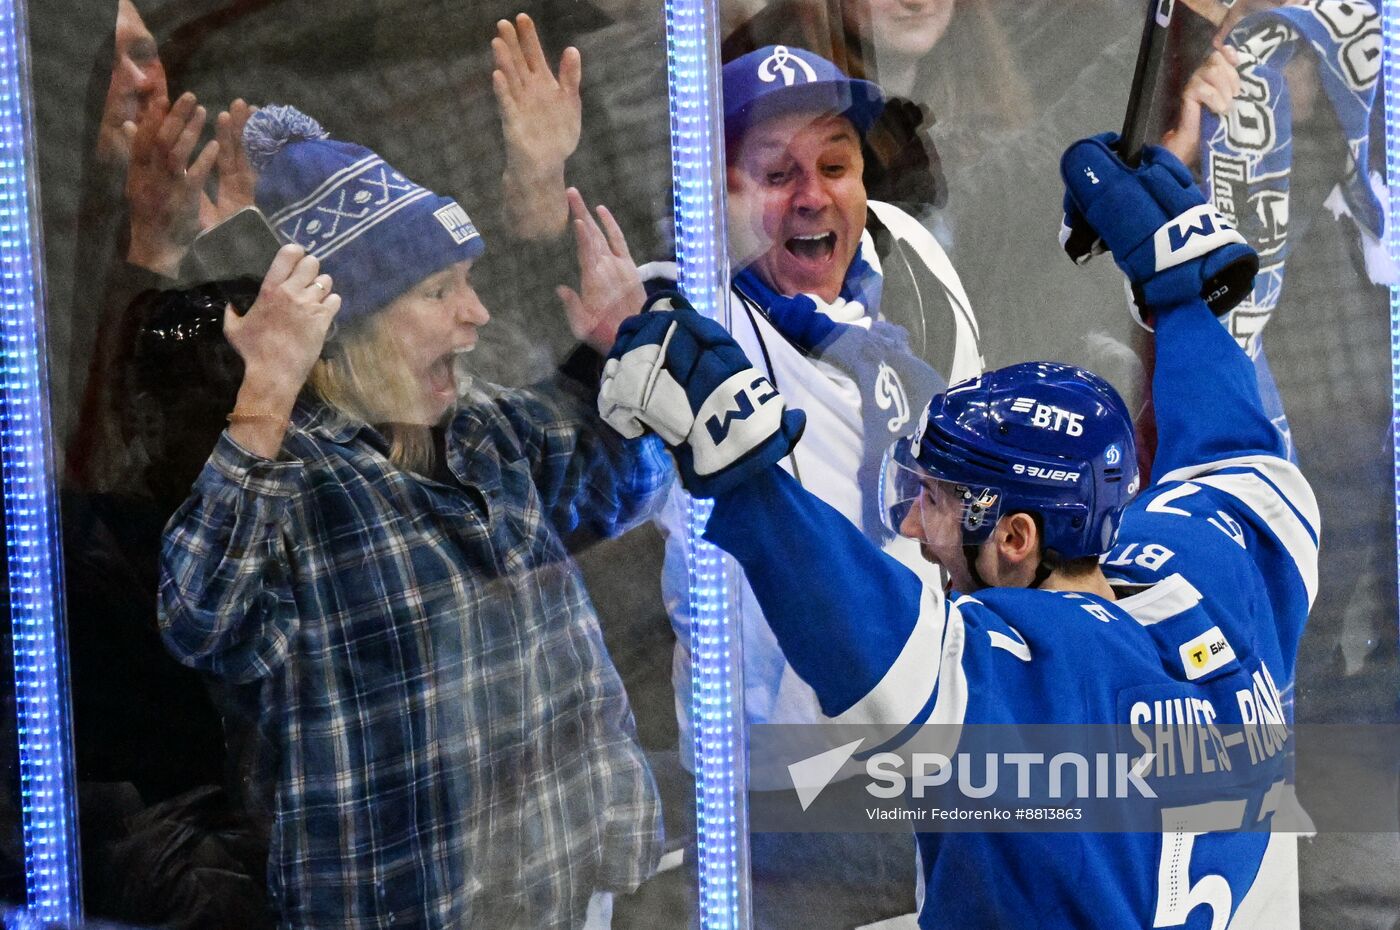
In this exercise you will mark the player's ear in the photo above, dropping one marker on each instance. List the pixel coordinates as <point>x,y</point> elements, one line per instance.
<point>1017,539</point>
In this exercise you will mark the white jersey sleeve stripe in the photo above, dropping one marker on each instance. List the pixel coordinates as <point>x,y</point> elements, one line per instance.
<point>1016,645</point>
<point>1282,474</point>
<point>1311,525</point>
<point>951,705</point>
<point>1274,511</point>
<point>904,692</point>
<point>1165,599</point>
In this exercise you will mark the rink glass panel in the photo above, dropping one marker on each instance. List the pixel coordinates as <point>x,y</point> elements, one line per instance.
<point>168,758</point>
<point>1003,89</point>
<point>178,768</point>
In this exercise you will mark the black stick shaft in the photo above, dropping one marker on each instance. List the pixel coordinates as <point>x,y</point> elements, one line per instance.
<point>1143,95</point>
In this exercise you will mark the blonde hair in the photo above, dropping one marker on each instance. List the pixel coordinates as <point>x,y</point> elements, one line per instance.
<point>367,377</point>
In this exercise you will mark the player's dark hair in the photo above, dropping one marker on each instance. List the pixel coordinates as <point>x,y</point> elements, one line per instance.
<point>1052,561</point>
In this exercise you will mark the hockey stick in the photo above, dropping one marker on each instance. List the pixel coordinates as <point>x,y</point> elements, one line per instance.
<point>1143,97</point>
<point>1149,67</point>
<point>1136,124</point>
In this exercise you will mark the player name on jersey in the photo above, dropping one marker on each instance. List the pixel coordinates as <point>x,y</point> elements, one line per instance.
<point>1182,734</point>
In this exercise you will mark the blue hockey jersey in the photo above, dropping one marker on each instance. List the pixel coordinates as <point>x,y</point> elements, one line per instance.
<point>1221,556</point>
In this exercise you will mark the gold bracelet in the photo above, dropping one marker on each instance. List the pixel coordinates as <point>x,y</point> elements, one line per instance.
<point>241,416</point>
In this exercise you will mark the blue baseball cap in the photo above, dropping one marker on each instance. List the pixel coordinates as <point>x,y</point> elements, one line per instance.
<point>778,79</point>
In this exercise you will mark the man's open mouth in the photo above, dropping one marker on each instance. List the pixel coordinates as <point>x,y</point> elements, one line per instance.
<point>813,248</point>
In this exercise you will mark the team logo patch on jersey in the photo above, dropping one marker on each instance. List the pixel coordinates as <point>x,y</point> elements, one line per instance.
<point>1206,653</point>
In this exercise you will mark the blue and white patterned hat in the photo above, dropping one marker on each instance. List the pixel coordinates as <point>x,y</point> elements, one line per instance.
<point>779,79</point>
<point>376,232</point>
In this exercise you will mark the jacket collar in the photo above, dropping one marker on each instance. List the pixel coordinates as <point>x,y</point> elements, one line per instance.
<point>318,418</point>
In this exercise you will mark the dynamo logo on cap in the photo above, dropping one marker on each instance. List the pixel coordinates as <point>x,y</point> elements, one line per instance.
<point>778,64</point>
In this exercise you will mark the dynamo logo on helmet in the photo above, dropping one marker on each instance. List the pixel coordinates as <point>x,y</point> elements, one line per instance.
<point>1048,438</point>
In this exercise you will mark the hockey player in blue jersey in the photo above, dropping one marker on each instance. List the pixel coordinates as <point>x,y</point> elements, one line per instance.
<point>1074,599</point>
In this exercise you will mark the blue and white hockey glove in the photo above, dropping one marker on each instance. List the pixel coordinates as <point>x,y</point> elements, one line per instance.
<point>1170,242</point>
<point>683,377</point>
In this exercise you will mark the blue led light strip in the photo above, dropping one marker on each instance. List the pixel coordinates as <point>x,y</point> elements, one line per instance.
<point>1390,90</point>
<point>697,168</point>
<point>31,533</point>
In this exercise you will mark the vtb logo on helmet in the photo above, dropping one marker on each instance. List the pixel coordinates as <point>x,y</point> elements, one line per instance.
<point>1048,438</point>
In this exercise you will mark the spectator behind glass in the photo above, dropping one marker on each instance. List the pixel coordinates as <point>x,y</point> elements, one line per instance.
<point>852,309</point>
<point>152,190</point>
<point>1008,85</point>
<point>374,547</point>
<point>138,80</point>
<point>889,42</point>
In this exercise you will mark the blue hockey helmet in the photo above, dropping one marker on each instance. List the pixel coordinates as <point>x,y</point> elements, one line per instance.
<point>1043,437</point>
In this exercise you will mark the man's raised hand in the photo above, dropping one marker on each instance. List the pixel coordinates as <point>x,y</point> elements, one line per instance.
<point>164,187</point>
<point>1214,86</point>
<point>235,178</point>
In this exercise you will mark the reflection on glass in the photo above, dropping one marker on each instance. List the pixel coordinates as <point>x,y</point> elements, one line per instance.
<point>852,309</point>
<point>453,672</point>
<point>1298,162</point>
<point>862,244</point>
<point>984,98</point>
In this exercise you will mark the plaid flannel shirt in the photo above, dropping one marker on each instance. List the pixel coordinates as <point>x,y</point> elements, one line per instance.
<point>453,747</point>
